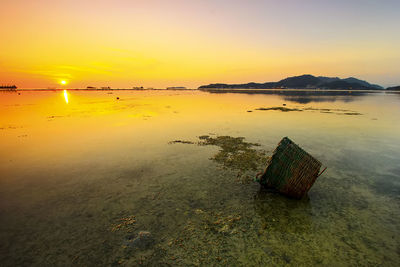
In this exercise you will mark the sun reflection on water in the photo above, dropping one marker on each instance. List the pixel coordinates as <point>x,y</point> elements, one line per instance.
<point>66,96</point>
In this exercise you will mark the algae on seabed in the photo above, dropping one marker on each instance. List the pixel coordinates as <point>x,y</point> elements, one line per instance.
<point>283,109</point>
<point>234,154</point>
<point>321,110</point>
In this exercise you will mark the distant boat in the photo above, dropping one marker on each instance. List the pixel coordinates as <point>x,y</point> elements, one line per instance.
<point>8,87</point>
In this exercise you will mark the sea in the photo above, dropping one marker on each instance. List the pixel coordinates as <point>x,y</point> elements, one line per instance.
<point>166,178</point>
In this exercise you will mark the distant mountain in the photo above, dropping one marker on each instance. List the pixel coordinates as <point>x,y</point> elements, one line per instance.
<point>394,88</point>
<point>328,79</point>
<point>363,83</point>
<point>345,85</point>
<point>306,81</point>
<point>303,81</point>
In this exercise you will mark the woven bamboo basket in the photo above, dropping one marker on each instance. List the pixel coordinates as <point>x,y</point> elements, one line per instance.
<point>290,170</point>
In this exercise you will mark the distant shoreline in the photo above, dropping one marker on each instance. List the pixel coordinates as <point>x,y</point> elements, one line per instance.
<point>84,89</point>
<point>212,90</point>
<point>288,90</point>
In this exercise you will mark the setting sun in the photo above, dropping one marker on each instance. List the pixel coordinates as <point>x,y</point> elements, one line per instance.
<point>63,82</point>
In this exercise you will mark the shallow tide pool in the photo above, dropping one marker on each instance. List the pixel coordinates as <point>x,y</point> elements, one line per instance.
<point>83,173</point>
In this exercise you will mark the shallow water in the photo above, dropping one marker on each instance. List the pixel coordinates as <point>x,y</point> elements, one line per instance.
<point>74,166</point>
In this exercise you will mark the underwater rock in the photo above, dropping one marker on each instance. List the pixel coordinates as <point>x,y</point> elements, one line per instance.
<point>143,240</point>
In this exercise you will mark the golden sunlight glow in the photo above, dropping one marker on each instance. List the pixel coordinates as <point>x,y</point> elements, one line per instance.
<point>235,47</point>
<point>66,96</point>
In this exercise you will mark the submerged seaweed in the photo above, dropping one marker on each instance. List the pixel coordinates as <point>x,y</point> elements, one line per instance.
<point>126,224</point>
<point>352,113</point>
<point>321,110</point>
<point>283,109</point>
<point>181,142</point>
<point>235,153</point>
<point>205,238</point>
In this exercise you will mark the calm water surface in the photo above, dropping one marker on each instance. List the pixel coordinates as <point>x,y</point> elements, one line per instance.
<point>82,173</point>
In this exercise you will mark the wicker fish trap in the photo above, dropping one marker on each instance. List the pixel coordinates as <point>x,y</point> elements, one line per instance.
<point>290,170</point>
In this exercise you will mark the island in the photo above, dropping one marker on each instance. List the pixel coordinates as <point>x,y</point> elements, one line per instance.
<point>393,88</point>
<point>305,81</point>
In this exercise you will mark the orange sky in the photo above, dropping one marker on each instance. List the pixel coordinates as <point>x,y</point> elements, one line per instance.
<point>123,43</point>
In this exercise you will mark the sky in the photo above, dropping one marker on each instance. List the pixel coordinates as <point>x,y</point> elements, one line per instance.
<point>161,43</point>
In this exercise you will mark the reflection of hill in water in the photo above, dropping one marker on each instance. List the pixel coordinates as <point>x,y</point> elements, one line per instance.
<point>281,214</point>
<point>307,99</point>
<point>303,97</point>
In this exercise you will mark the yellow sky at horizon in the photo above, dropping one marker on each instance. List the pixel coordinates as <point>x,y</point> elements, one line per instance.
<point>144,44</point>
